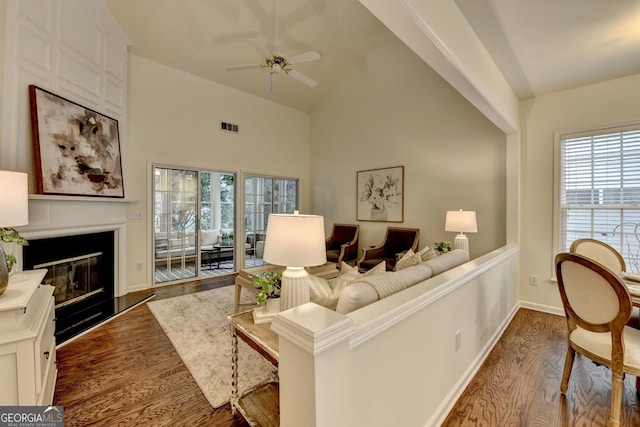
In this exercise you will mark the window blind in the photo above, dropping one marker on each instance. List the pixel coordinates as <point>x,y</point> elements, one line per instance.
<point>600,190</point>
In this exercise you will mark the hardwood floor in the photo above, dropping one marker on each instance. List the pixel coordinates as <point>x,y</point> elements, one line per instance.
<point>126,373</point>
<point>519,383</point>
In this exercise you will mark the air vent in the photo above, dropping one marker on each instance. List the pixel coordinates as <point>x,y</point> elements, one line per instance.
<point>228,127</point>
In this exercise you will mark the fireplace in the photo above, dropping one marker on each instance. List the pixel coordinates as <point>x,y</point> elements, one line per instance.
<point>67,233</point>
<point>81,270</point>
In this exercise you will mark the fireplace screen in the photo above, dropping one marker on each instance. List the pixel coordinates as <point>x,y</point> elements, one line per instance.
<point>74,278</point>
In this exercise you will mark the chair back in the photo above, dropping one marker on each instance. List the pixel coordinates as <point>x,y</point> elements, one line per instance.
<point>344,233</point>
<point>600,252</point>
<point>594,298</point>
<point>401,239</point>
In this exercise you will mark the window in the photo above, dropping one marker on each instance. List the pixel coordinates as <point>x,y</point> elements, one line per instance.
<point>599,190</point>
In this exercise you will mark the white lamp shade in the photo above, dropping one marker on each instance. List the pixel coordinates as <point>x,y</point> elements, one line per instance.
<point>461,221</point>
<point>14,199</point>
<point>295,240</point>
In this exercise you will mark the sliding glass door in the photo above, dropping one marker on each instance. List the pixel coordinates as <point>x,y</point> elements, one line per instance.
<point>264,195</point>
<point>194,224</point>
<point>175,205</point>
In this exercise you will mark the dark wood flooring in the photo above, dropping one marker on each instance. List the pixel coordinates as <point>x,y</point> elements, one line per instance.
<point>519,383</point>
<point>126,373</point>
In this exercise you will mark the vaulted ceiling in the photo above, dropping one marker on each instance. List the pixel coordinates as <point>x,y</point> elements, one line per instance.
<point>540,46</point>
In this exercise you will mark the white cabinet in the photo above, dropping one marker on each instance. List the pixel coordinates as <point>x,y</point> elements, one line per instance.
<point>27,341</point>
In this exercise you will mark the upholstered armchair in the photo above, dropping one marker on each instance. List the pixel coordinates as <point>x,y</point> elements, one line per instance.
<point>396,242</point>
<point>342,245</point>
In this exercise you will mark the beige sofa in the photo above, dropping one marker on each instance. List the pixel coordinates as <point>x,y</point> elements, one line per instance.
<point>352,290</point>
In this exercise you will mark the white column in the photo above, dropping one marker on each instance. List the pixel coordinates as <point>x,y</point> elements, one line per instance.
<point>314,351</point>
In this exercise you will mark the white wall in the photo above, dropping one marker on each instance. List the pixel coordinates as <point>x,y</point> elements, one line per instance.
<point>610,102</point>
<point>174,119</point>
<point>398,112</point>
<point>395,362</point>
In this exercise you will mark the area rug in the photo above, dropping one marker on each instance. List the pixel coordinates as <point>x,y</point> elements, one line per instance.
<point>197,326</point>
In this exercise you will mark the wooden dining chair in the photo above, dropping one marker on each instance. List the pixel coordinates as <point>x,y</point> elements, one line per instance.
<point>609,257</point>
<point>597,306</point>
<point>600,252</point>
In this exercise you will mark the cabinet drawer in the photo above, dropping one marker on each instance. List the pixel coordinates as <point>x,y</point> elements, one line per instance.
<point>45,343</point>
<point>49,371</point>
<point>48,335</point>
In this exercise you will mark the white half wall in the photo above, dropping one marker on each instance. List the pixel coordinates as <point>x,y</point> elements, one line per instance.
<point>395,362</point>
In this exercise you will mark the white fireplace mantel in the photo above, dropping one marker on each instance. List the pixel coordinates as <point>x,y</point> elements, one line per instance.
<point>57,216</point>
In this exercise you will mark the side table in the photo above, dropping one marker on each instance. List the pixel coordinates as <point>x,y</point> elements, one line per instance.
<point>245,277</point>
<point>261,405</point>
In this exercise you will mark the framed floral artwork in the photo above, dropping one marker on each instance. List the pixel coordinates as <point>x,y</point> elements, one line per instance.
<point>76,149</point>
<point>381,194</point>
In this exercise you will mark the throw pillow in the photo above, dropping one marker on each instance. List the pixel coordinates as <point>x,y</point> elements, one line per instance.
<point>427,253</point>
<point>409,259</point>
<point>345,268</point>
<point>345,279</point>
<point>326,292</point>
<point>321,293</point>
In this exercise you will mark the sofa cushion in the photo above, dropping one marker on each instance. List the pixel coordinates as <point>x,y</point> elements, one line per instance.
<point>368,290</point>
<point>210,237</point>
<point>177,243</point>
<point>447,261</point>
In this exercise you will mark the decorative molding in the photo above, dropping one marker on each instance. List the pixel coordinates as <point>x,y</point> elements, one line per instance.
<point>72,47</point>
<point>312,328</point>
<point>76,49</point>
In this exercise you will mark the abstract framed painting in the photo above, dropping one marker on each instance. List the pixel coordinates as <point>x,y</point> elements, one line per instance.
<point>381,194</point>
<point>76,149</point>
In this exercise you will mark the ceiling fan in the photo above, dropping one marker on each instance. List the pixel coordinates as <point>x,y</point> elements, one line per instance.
<point>277,63</point>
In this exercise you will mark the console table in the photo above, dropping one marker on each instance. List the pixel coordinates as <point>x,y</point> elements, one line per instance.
<point>27,341</point>
<point>261,405</point>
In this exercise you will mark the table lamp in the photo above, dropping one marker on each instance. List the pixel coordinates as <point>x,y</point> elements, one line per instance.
<point>295,241</point>
<point>461,222</point>
<point>14,211</point>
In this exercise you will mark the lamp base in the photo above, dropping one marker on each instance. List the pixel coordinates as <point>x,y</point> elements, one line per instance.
<point>295,288</point>
<point>461,242</point>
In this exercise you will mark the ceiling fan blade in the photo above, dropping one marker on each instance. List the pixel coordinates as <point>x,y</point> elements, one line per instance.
<point>242,67</point>
<point>302,78</point>
<point>312,55</point>
<point>260,48</point>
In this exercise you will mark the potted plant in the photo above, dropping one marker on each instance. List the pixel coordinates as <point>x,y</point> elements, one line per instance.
<point>11,235</point>
<point>269,284</point>
<point>227,239</point>
<point>442,247</point>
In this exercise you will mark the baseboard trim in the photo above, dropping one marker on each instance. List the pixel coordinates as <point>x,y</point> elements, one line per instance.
<point>449,402</point>
<point>558,311</point>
